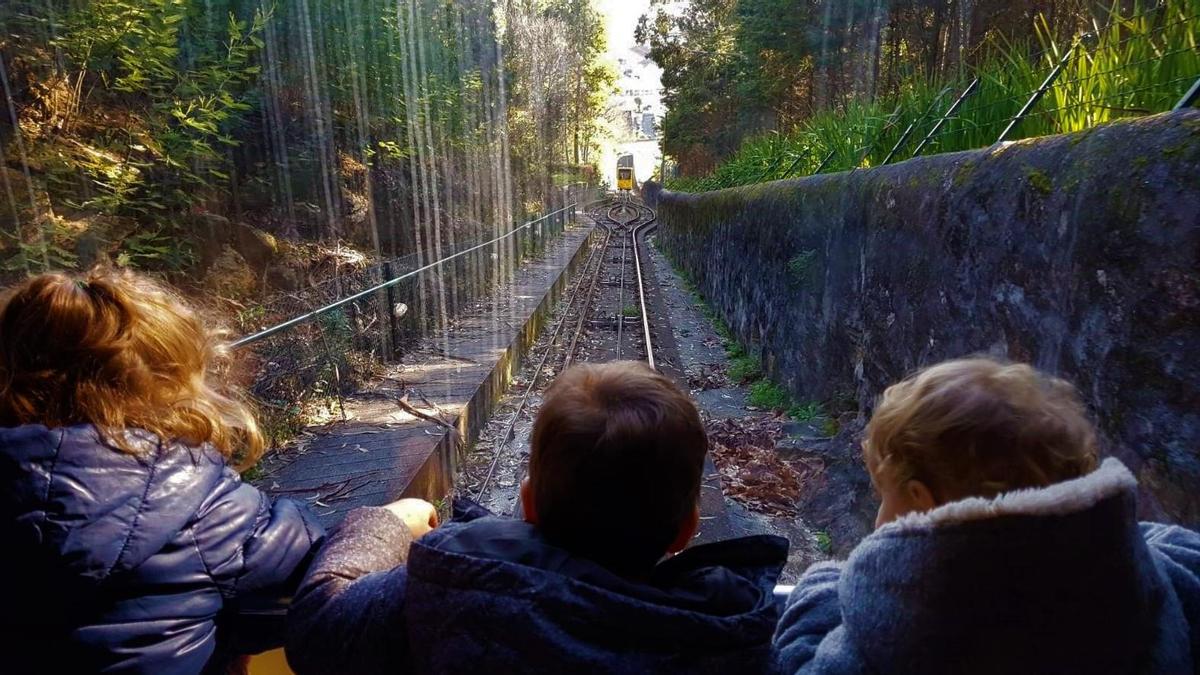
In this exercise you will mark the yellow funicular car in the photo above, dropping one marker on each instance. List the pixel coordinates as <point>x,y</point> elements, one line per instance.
<point>625,179</point>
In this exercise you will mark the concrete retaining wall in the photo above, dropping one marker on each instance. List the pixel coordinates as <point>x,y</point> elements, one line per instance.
<point>1079,254</point>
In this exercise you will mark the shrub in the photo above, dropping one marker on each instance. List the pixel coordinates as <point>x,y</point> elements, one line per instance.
<point>768,395</point>
<point>1139,63</point>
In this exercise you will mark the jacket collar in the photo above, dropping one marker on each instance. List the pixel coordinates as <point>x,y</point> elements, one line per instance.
<point>1109,480</point>
<point>724,578</point>
<point>1026,579</point>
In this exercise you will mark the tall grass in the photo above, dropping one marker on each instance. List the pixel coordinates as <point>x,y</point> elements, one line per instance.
<point>1133,64</point>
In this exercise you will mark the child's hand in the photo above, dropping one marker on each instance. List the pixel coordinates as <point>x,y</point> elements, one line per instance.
<point>419,515</point>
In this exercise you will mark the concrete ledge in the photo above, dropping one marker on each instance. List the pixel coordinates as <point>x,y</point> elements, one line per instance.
<point>383,452</point>
<point>435,478</point>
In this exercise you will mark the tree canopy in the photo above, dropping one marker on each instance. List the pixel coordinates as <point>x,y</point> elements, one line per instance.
<point>401,125</point>
<point>734,68</point>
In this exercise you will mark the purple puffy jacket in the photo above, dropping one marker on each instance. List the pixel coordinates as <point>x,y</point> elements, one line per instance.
<point>130,564</point>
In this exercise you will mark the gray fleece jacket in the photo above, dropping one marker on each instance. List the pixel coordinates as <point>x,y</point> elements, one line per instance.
<point>1055,580</point>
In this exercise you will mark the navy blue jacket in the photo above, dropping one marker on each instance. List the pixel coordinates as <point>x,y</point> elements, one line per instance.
<point>118,563</point>
<point>492,596</point>
<point>1057,580</point>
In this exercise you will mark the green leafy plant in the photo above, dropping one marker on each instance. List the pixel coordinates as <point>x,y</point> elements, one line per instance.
<point>248,318</point>
<point>801,267</point>
<point>171,156</point>
<point>808,412</point>
<point>280,421</point>
<point>824,542</point>
<point>38,255</point>
<point>1137,61</point>
<point>743,369</point>
<point>770,396</point>
<point>157,248</point>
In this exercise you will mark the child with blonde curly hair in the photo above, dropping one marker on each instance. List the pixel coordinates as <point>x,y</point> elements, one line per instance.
<point>128,534</point>
<point>1000,545</point>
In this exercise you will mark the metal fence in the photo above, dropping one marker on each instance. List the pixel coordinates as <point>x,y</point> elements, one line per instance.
<point>1031,106</point>
<point>313,346</point>
<point>1078,90</point>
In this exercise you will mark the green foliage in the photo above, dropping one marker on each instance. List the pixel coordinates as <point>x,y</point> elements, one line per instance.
<point>46,246</point>
<point>422,123</point>
<point>560,83</point>
<point>743,369</point>
<point>775,41</point>
<point>808,412</point>
<point>747,368</point>
<point>770,396</point>
<point>1140,62</point>
<point>701,65</point>
<point>824,542</point>
<point>41,254</point>
<point>444,508</point>
<point>280,421</point>
<point>336,330</point>
<point>801,266</point>
<point>184,104</point>
<point>249,318</point>
<point>161,248</point>
<point>629,311</point>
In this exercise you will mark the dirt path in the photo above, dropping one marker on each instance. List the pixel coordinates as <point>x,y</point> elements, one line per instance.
<point>724,406</point>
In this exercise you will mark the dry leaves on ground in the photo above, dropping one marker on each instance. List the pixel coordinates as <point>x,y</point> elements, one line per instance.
<point>705,376</point>
<point>751,470</point>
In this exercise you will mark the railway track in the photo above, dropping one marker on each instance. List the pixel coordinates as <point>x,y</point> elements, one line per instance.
<point>605,317</point>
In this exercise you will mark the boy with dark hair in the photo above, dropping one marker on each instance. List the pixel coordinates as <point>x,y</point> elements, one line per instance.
<point>616,426</point>
<point>615,470</point>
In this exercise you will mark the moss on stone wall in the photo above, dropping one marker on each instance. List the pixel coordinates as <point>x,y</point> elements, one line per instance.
<point>1049,250</point>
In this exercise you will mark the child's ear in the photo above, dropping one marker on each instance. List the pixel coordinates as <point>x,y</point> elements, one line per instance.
<point>686,531</point>
<point>919,495</point>
<point>528,506</point>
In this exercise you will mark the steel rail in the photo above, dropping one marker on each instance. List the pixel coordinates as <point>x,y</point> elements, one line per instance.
<point>597,255</point>
<point>625,236</point>
<point>581,301</point>
<point>637,262</point>
<point>638,230</point>
<point>621,294</point>
<point>570,357</point>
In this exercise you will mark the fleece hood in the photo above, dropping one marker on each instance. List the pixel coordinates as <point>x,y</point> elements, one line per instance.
<point>1048,580</point>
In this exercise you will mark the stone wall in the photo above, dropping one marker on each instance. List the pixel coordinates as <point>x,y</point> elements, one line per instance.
<point>1078,253</point>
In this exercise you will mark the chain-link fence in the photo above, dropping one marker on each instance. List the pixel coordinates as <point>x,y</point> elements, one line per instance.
<point>313,346</point>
